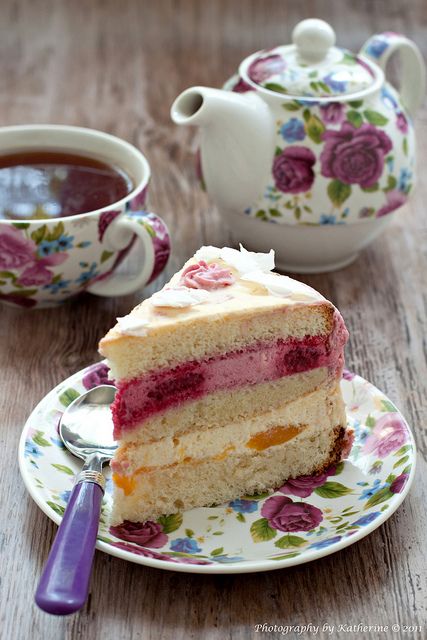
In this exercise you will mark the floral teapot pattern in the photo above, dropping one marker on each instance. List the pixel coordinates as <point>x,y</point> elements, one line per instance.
<point>310,133</point>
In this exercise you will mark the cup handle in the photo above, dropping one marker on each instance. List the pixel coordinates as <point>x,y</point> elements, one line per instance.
<point>380,47</point>
<point>154,236</point>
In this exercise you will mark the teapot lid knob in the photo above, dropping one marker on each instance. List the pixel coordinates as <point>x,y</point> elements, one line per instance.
<point>313,38</point>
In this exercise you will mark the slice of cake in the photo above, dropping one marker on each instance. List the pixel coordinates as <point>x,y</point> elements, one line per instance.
<point>228,384</point>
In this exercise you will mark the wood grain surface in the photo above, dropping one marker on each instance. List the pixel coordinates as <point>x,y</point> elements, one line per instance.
<point>117,66</point>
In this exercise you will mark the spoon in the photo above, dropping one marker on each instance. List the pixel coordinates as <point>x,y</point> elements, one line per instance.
<point>86,430</point>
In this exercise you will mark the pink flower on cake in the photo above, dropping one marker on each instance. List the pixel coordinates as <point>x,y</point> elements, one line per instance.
<point>15,249</point>
<point>388,435</point>
<point>146,534</point>
<point>206,276</point>
<point>285,515</point>
<point>303,486</point>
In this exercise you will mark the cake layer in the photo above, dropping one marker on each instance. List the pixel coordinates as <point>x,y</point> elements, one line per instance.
<point>213,481</point>
<point>228,383</point>
<point>154,392</point>
<point>222,407</point>
<point>174,336</point>
<point>323,407</point>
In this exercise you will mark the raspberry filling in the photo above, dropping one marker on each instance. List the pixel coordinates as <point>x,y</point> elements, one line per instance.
<point>140,398</point>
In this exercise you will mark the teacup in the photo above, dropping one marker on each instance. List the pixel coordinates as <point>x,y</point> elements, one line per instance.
<point>44,262</point>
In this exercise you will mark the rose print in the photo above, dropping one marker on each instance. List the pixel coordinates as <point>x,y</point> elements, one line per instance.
<point>354,155</point>
<point>15,249</point>
<point>303,486</point>
<point>285,515</point>
<point>293,169</point>
<point>98,375</point>
<point>332,113</point>
<point>161,244</point>
<point>141,551</point>
<point>402,123</point>
<point>26,303</point>
<point>242,87</point>
<point>37,273</point>
<point>105,219</point>
<point>398,483</point>
<point>388,435</point>
<point>395,199</point>
<point>146,534</point>
<point>138,202</point>
<point>263,68</point>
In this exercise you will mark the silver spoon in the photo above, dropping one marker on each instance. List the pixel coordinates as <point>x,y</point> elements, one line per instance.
<point>86,429</point>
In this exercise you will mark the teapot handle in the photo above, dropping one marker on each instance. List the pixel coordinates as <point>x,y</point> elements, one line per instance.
<point>380,47</point>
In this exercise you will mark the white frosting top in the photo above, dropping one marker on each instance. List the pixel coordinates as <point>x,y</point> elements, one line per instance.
<point>255,286</point>
<point>243,261</point>
<point>179,297</point>
<point>132,325</point>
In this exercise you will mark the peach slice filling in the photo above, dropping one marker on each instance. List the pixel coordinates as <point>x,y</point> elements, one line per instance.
<point>259,442</point>
<point>272,437</point>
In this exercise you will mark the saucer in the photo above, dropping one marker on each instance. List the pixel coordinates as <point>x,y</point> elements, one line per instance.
<point>337,509</point>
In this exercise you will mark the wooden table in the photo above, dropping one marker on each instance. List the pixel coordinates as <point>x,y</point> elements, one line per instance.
<point>117,66</point>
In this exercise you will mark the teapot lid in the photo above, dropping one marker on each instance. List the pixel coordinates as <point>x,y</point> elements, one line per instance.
<point>310,67</point>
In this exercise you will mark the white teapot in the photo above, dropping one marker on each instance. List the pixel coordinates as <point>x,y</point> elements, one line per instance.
<point>308,150</point>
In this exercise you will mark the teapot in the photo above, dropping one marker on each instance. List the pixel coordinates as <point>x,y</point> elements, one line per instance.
<point>308,149</point>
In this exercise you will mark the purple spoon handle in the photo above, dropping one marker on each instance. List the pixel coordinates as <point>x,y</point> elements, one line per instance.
<point>64,584</point>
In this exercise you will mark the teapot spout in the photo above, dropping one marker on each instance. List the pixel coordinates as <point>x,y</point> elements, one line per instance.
<point>237,142</point>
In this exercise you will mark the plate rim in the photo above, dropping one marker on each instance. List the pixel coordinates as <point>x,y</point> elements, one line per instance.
<point>248,566</point>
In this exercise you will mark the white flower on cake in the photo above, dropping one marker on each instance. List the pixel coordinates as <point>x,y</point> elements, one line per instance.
<point>243,261</point>
<point>278,285</point>
<point>179,297</point>
<point>132,325</point>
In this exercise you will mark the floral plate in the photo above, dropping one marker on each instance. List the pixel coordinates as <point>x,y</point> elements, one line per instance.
<point>307,518</point>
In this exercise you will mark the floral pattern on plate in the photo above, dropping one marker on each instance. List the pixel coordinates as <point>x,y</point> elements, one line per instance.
<point>306,518</point>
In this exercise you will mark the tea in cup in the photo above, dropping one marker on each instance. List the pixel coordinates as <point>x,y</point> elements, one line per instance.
<point>71,207</point>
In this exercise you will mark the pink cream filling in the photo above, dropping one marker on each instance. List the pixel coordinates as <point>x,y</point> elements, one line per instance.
<point>140,398</point>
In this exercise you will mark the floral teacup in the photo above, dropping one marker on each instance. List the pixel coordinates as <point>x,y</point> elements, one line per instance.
<point>44,262</point>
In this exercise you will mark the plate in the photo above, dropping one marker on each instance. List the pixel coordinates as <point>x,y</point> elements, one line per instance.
<point>306,519</point>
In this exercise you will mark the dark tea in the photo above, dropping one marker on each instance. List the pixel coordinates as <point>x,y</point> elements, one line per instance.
<point>53,184</point>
